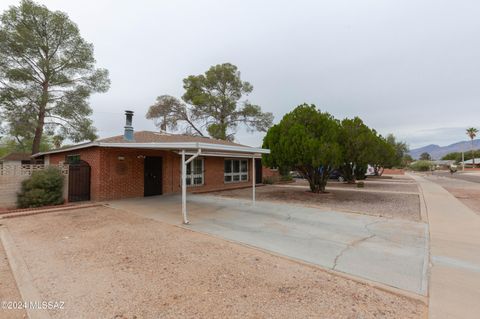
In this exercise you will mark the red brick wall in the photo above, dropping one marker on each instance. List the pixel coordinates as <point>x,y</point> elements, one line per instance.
<point>112,178</point>
<point>394,171</point>
<point>274,174</point>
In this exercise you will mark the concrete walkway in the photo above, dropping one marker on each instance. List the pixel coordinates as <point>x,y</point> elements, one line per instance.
<point>454,254</point>
<point>388,251</point>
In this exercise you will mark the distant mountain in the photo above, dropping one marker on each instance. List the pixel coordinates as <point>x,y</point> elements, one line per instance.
<point>437,152</point>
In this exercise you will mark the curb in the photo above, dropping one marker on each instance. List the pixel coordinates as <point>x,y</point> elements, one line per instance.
<point>44,211</point>
<point>22,276</point>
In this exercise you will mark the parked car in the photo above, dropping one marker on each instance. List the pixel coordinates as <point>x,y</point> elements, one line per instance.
<point>296,174</point>
<point>336,174</point>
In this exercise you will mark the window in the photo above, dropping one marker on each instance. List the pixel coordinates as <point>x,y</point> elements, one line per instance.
<point>235,171</point>
<point>195,172</point>
<point>72,159</point>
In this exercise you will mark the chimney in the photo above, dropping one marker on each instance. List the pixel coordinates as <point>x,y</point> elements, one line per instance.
<point>128,134</point>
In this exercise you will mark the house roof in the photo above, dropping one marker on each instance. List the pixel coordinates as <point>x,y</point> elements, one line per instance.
<point>477,161</point>
<point>162,137</point>
<point>16,156</point>
<point>166,141</point>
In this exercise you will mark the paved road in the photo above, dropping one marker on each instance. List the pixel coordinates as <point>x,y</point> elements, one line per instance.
<point>455,254</point>
<point>392,252</point>
<point>466,176</point>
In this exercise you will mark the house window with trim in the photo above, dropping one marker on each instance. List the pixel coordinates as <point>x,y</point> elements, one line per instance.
<point>236,170</point>
<point>195,172</point>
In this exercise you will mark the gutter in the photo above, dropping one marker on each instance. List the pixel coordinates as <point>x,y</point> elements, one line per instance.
<point>164,146</point>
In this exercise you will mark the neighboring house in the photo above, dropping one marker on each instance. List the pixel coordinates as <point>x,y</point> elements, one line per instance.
<point>16,158</point>
<point>469,163</point>
<point>443,164</point>
<point>150,163</point>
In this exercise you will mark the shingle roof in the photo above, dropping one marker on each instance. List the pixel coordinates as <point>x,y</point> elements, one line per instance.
<point>16,156</point>
<point>161,137</point>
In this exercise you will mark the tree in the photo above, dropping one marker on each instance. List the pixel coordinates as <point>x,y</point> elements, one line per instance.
<point>47,74</point>
<point>407,160</point>
<point>401,148</point>
<point>457,156</point>
<point>168,111</point>
<point>472,133</point>
<point>358,142</point>
<point>305,140</point>
<point>385,154</point>
<point>425,156</point>
<point>214,103</point>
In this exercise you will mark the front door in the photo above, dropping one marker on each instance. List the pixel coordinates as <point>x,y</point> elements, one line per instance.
<point>258,171</point>
<point>152,176</point>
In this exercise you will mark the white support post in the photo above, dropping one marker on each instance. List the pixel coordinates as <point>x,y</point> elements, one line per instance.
<point>254,177</point>
<point>184,189</point>
<point>184,183</point>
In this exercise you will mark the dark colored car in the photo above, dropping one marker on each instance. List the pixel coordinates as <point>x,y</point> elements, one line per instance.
<point>336,174</point>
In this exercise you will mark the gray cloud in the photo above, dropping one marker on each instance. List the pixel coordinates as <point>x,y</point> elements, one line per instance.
<point>407,67</point>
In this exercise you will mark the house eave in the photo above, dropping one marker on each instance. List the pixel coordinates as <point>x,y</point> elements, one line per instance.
<point>166,146</point>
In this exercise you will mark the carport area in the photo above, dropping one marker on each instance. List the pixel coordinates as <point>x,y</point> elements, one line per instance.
<point>389,251</point>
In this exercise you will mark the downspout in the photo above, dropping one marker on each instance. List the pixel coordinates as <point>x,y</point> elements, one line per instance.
<point>184,183</point>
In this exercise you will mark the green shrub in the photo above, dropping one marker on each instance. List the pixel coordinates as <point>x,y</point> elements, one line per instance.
<point>268,180</point>
<point>286,178</point>
<point>421,166</point>
<point>43,188</point>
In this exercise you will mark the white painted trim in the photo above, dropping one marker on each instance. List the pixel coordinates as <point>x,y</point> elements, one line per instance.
<point>240,173</point>
<point>166,146</point>
<point>184,189</point>
<point>225,155</point>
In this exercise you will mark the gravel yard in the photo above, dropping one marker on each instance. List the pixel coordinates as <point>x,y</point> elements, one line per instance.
<point>381,185</point>
<point>8,288</point>
<point>467,192</point>
<point>391,204</point>
<point>106,263</point>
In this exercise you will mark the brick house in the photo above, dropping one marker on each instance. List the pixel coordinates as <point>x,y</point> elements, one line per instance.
<point>149,163</point>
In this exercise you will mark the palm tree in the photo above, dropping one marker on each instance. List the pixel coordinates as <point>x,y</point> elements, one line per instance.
<point>472,133</point>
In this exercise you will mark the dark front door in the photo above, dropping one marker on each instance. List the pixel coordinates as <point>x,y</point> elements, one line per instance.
<point>152,176</point>
<point>258,171</point>
<point>78,181</point>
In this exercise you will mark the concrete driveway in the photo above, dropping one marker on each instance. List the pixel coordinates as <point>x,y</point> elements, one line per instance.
<point>389,251</point>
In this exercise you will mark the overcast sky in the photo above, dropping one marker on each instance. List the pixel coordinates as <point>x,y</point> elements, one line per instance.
<point>408,67</point>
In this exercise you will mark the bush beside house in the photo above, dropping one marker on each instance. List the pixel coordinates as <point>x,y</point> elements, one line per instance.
<point>43,188</point>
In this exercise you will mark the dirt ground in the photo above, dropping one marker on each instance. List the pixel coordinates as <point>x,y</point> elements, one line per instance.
<point>107,263</point>
<point>393,204</point>
<point>382,185</point>
<point>467,192</point>
<point>8,289</point>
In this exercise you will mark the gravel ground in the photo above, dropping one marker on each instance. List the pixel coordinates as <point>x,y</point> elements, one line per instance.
<point>467,192</point>
<point>106,263</point>
<point>380,185</point>
<point>8,288</point>
<point>392,205</point>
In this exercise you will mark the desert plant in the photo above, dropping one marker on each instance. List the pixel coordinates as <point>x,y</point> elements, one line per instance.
<point>472,133</point>
<point>268,180</point>
<point>43,188</point>
<point>421,166</point>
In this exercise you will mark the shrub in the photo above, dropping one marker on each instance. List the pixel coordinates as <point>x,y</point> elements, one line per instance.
<point>43,188</point>
<point>268,180</point>
<point>286,178</point>
<point>421,166</point>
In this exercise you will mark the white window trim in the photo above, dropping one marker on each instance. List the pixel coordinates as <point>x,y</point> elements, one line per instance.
<point>193,176</point>
<point>239,173</point>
